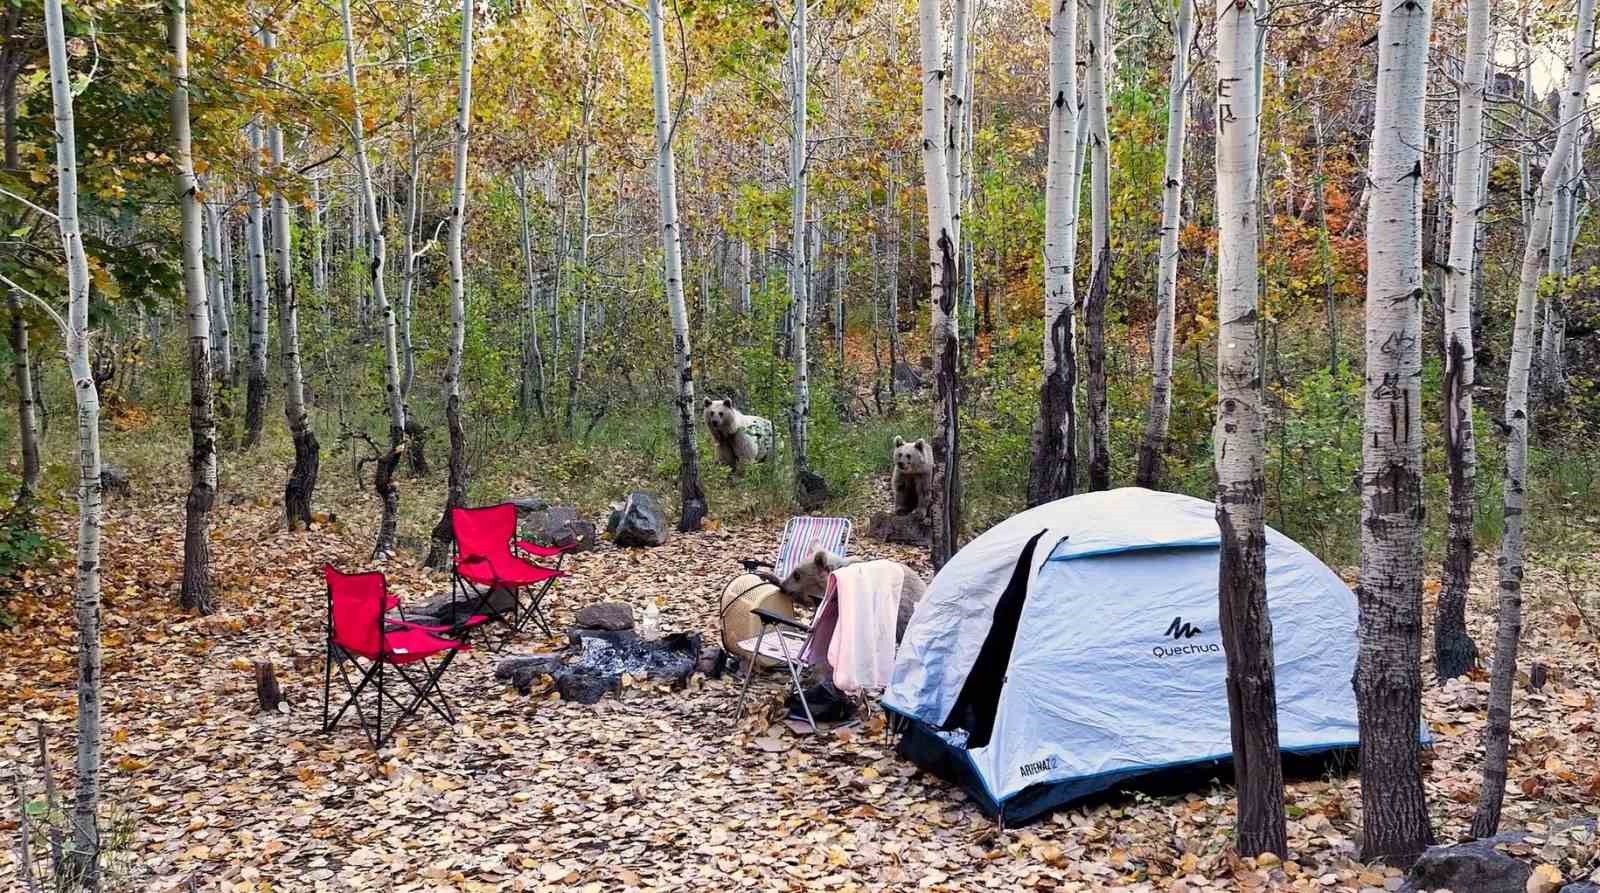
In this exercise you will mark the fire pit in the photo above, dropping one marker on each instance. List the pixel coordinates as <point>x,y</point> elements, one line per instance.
<point>596,660</point>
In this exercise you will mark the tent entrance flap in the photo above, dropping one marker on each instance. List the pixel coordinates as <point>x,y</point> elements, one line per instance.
<point>974,709</point>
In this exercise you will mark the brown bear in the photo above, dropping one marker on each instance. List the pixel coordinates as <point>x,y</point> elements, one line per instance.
<point>808,583</point>
<point>912,478</point>
<point>740,439</point>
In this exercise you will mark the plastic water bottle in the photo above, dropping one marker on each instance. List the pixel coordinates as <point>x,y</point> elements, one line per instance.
<point>652,621</point>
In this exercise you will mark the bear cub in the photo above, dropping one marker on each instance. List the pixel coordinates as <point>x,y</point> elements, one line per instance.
<point>912,478</point>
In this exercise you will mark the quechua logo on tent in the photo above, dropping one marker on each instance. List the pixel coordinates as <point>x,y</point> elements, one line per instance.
<point>1180,631</point>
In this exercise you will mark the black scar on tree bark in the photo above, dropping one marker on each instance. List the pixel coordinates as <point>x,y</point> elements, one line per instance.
<point>1251,687</point>
<point>947,437</point>
<point>1454,652</point>
<point>1054,468</point>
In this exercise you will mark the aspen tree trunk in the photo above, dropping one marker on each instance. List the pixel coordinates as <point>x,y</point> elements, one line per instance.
<point>580,329</point>
<point>383,477</point>
<point>1552,344</point>
<point>945,335</point>
<point>891,213</point>
<point>1508,620</point>
<point>1453,650</point>
<point>1324,244</point>
<point>1240,446</point>
<point>744,277</point>
<point>892,222</point>
<point>230,368</point>
<point>319,257</point>
<point>690,494</point>
<point>1080,160</point>
<point>799,245</point>
<point>1054,466</point>
<point>409,255</point>
<point>955,124</point>
<point>1154,444</point>
<point>302,481</point>
<point>86,805</point>
<point>255,400</point>
<point>195,593</point>
<point>27,422</point>
<point>216,286</point>
<point>533,376</point>
<point>969,298</point>
<point>1388,678</point>
<point>1094,305</point>
<point>456,486</point>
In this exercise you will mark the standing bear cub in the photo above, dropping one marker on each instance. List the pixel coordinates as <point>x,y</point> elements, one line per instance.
<point>913,476</point>
<point>741,439</point>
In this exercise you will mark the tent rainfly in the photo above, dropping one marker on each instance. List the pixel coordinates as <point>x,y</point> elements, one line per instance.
<point>1075,646</point>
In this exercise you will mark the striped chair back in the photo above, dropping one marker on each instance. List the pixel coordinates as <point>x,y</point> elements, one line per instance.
<point>804,535</point>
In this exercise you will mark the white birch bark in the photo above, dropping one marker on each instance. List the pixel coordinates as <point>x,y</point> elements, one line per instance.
<point>230,281</point>
<point>1094,305</point>
<point>1454,651</point>
<point>692,498</point>
<point>195,591</point>
<point>1239,444</point>
<point>27,418</point>
<point>799,245</point>
<point>1053,470</point>
<point>945,334</point>
<point>302,481</point>
<point>384,476</point>
<point>1388,679</point>
<point>744,277</point>
<point>1160,414</point>
<point>260,302</point>
<point>319,257</point>
<point>456,483</point>
<point>955,122</point>
<point>1552,342</point>
<point>535,371</point>
<point>85,812</point>
<point>216,284</point>
<point>1535,258</point>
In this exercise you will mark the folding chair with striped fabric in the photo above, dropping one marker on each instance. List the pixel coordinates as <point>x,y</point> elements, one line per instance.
<point>783,639</point>
<point>804,535</point>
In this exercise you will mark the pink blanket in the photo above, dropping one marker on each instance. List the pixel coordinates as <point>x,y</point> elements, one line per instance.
<point>855,625</point>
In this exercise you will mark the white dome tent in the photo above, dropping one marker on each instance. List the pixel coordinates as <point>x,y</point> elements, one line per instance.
<point>1076,645</point>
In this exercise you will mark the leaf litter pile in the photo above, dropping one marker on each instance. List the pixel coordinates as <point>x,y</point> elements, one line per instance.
<point>650,788</point>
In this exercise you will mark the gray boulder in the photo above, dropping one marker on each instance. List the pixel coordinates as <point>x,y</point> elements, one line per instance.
<point>640,521</point>
<point>605,615</point>
<point>555,525</point>
<point>1472,867</point>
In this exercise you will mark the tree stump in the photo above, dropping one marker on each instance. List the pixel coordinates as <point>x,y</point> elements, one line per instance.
<point>268,694</point>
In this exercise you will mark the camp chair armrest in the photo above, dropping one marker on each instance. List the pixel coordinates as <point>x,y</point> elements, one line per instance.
<point>771,617</point>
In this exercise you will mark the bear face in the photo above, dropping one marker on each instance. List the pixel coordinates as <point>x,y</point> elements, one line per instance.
<point>808,582</point>
<point>721,415</point>
<point>912,458</point>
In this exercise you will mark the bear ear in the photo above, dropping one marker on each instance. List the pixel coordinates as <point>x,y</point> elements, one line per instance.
<point>922,445</point>
<point>729,402</point>
<point>899,441</point>
<point>820,559</point>
<point>706,403</point>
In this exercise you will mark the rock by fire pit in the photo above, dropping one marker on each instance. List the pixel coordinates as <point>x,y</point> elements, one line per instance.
<point>596,661</point>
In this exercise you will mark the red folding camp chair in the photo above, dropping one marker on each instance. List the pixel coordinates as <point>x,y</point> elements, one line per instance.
<point>362,638</point>
<point>488,556</point>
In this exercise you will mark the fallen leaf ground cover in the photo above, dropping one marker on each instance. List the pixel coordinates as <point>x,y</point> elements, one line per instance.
<point>652,790</point>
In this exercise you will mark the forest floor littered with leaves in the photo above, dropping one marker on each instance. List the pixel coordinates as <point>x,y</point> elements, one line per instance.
<point>651,790</point>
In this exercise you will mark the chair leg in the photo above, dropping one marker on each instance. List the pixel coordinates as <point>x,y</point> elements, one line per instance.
<point>794,674</point>
<point>749,673</point>
<point>327,681</point>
